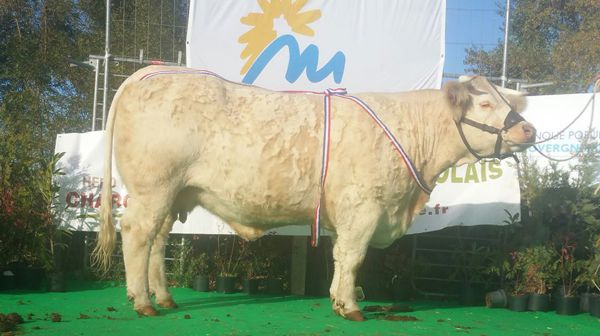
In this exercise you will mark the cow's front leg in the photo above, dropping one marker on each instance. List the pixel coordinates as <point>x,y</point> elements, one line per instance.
<point>156,272</point>
<point>335,281</point>
<point>349,252</point>
<point>138,229</point>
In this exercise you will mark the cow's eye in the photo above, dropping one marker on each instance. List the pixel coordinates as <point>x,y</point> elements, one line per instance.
<point>485,104</point>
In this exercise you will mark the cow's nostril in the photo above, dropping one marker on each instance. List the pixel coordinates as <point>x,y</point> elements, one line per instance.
<point>528,130</point>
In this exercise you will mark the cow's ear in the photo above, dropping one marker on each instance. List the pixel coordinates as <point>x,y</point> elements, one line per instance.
<point>458,97</point>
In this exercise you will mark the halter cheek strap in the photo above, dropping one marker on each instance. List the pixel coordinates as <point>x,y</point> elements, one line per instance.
<point>512,118</point>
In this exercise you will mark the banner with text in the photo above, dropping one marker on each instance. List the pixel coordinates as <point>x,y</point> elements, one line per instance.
<point>374,45</point>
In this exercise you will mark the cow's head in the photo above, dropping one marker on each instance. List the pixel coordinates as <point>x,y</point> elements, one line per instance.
<point>488,117</point>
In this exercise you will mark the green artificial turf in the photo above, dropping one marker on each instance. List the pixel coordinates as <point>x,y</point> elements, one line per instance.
<point>101,309</point>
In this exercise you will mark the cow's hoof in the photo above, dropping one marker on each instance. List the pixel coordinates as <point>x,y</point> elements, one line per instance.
<point>169,304</point>
<point>147,311</point>
<point>356,316</point>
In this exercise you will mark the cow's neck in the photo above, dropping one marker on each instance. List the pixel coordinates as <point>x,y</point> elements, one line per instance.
<point>439,144</point>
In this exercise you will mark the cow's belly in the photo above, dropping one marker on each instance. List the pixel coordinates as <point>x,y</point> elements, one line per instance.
<point>256,183</point>
<point>259,214</point>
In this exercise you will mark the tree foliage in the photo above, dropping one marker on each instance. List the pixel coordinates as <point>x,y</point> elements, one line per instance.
<point>40,96</point>
<point>549,40</point>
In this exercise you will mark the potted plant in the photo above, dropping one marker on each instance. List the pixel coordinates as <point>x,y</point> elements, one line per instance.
<point>540,275</point>
<point>56,236</point>
<point>277,263</point>
<point>227,260</point>
<point>514,273</point>
<point>470,271</point>
<point>30,239</point>
<point>200,269</point>
<point>594,300</point>
<point>586,279</point>
<point>567,301</point>
<point>590,278</point>
<point>255,268</point>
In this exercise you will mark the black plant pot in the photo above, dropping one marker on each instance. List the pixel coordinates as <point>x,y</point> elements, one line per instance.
<point>226,284</point>
<point>28,277</point>
<point>496,299</point>
<point>557,294</point>
<point>595,305</point>
<point>275,286</point>
<point>7,279</point>
<point>539,302</point>
<point>471,296</point>
<point>518,303</point>
<point>584,302</point>
<point>251,286</point>
<point>200,283</point>
<point>56,282</point>
<point>567,305</point>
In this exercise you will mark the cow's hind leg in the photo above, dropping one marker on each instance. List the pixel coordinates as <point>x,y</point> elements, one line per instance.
<point>354,231</point>
<point>139,226</point>
<point>156,273</point>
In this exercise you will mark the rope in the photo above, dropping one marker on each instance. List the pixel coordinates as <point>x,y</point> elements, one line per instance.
<point>584,142</point>
<point>566,127</point>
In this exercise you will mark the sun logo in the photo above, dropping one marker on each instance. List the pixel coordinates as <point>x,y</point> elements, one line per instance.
<point>263,43</point>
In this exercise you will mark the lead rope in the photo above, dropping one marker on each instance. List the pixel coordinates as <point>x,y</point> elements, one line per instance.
<point>585,140</point>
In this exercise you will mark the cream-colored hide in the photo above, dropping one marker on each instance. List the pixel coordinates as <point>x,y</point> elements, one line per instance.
<point>253,157</point>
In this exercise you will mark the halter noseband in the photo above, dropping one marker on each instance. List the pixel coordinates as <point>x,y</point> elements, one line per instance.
<point>512,118</point>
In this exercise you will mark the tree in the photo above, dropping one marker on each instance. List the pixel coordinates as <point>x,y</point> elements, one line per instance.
<point>40,96</point>
<point>550,40</point>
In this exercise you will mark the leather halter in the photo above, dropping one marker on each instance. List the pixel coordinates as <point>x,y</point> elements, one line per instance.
<point>512,118</point>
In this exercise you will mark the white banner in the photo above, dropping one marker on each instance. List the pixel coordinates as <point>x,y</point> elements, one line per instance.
<point>374,45</point>
<point>474,194</point>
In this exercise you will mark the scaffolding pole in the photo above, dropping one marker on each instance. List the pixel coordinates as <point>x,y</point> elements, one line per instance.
<point>505,55</point>
<point>106,92</point>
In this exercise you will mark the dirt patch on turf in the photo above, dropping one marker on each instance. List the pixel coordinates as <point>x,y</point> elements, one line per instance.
<point>388,309</point>
<point>388,313</point>
<point>9,322</point>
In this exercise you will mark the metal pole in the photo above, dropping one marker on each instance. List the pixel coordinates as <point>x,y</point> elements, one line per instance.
<point>86,256</point>
<point>182,255</point>
<point>106,71</point>
<point>505,43</point>
<point>95,107</point>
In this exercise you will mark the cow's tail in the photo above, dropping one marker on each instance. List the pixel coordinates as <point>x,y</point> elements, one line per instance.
<point>105,242</point>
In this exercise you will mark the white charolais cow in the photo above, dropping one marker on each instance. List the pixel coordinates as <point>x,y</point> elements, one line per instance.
<point>253,157</point>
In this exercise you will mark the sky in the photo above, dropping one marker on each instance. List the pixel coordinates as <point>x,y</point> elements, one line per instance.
<point>471,23</point>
